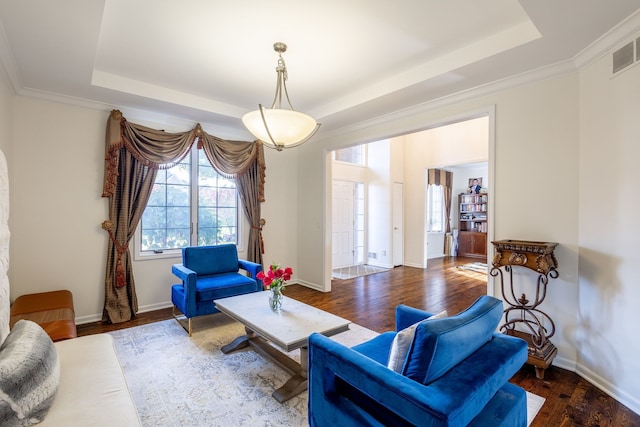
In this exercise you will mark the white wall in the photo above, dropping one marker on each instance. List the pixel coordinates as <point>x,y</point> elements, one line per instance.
<point>56,208</point>
<point>458,143</point>
<point>380,209</point>
<point>606,336</point>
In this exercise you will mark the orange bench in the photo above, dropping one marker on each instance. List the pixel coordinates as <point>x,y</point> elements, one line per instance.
<point>52,310</point>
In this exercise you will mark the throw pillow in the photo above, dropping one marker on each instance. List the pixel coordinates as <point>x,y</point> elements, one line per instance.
<point>29,375</point>
<point>402,343</point>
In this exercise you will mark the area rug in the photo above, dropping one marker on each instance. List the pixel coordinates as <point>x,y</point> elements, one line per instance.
<point>178,381</point>
<point>478,267</point>
<point>356,271</point>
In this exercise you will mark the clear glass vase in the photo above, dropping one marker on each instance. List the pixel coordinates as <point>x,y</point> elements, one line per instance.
<point>275,299</point>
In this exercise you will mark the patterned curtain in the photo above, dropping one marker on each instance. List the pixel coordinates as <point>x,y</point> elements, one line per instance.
<point>133,155</point>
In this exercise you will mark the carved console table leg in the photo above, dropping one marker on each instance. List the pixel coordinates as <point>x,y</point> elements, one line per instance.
<point>523,318</point>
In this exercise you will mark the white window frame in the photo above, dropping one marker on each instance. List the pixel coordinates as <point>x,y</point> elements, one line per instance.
<point>140,255</point>
<point>363,155</point>
<point>430,208</point>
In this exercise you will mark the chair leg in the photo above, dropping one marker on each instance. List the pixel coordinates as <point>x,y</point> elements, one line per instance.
<point>179,318</point>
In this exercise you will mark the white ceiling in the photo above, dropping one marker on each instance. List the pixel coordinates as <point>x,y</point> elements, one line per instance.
<point>211,61</point>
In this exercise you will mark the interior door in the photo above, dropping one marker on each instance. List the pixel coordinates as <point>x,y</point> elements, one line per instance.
<point>342,227</point>
<point>398,224</point>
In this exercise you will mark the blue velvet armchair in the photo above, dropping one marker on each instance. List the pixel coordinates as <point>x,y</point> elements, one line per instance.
<point>455,373</point>
<point>209,273</point>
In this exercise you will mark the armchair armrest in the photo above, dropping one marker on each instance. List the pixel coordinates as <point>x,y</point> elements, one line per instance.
<point>188,278</point>
<point>407,316</point>
<point>253,269</point>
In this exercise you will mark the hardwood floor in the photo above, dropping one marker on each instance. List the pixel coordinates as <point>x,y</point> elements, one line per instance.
<point>370,301</point>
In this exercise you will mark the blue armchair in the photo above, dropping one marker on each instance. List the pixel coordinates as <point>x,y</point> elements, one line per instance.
<point>208,273</point>
<point>455,373</point>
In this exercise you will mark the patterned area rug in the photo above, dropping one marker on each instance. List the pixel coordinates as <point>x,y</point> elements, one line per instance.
<point>180,381</point>
<point>356,271</point>
<point>478,267</point>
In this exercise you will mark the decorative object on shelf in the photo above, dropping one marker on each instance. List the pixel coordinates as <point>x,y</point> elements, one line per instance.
<point>278,127</point>
<point>475,185</point>
<point>523,313</point>
<point>275,280</point>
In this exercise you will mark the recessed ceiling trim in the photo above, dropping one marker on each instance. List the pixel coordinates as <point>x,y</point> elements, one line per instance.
<point>509,38</point>
<point>151,91</point>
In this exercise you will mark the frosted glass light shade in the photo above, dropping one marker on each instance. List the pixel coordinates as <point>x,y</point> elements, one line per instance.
<point>287,127</point>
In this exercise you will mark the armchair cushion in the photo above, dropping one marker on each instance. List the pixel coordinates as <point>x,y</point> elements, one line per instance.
<point>440,345</point>
<point>223,285</point>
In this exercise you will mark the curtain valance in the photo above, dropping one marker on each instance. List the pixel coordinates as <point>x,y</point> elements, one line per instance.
<point>440,177</point>
<point>158,149</point>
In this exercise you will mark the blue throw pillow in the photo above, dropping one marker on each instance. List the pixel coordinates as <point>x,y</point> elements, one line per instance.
<point>441,344</point>
<point>402,342</point>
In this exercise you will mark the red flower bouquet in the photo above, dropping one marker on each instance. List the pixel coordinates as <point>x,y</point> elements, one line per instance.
<point>275,278</point>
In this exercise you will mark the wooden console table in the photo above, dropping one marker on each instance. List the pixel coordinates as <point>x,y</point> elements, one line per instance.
<point>523,318</point>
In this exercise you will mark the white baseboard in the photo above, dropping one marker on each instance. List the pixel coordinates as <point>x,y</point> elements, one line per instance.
<point>596,380</point>
<point>409,264</point>
<point>314,286</point>
<point>81,320</point>
<point>631,402</point>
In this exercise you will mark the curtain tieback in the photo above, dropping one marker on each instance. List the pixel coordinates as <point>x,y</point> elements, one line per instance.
<point>121,278</point>
<point>259,228</point>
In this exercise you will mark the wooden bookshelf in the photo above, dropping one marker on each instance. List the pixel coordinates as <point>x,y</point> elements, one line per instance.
<point>472,224</point>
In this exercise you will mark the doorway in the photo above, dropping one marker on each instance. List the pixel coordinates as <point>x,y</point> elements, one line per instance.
<point>454,150</point>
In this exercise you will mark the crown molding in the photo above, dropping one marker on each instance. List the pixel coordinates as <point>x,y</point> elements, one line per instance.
<point>618,35</point>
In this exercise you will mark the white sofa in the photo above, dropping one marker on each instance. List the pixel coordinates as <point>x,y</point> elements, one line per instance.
<point>92,389</point>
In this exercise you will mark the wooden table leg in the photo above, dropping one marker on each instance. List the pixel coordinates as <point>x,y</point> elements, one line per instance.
<point>238,343</point>
<point>298,371</point>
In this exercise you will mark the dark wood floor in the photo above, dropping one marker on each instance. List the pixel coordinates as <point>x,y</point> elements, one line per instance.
<point>370,301</point>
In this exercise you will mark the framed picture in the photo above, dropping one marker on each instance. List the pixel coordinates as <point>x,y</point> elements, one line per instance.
<point>475,185</point>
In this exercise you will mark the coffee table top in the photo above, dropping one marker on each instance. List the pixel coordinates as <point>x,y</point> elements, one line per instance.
<point>288,328</point>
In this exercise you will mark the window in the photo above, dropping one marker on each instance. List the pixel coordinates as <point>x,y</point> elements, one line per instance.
<point>435,208</point>
<point>190,196</point>
<point>354,155</point>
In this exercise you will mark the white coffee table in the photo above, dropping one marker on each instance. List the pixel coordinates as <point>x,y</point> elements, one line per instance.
<point>288,329</point>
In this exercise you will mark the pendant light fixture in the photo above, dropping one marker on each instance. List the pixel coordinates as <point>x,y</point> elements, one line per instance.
<point>278,127</point>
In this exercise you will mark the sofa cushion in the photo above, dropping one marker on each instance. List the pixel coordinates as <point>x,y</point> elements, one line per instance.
<point>206,260</point>
<point>402,342</point>
<point>29,375</point>
<point>440,345</point>
<point>93,391</point>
